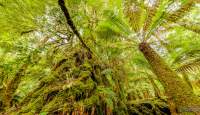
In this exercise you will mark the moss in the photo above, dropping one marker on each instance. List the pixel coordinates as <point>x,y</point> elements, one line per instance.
<point>77,83</point>
<point>148,107</point>
<point>179,93</point>
<point>55,104</point>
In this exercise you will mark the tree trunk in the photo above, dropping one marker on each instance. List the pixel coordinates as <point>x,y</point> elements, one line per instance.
<point>180,95</point>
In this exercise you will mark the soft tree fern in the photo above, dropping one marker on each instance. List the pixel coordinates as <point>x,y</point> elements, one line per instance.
<point>44,69</point>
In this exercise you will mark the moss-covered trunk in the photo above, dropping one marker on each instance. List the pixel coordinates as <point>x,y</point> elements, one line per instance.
<point>180,95</point>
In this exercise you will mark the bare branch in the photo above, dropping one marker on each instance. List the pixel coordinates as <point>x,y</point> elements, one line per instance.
<point>71,24</point>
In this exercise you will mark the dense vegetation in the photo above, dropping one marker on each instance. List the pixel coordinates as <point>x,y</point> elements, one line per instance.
<point>99,57</point>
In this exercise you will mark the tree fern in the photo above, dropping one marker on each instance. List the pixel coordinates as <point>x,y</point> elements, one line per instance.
<point>133,11</point>
<point>20,15</point>
<point>195,27</point>
<point>151,12</point>
<point>185,8</point>
<point>191,66</point>
<point>61,77</point>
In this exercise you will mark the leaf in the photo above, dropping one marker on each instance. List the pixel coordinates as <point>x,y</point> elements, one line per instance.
<point>195,27</point>
<point>177,15</point>
<point>151,12</point>
<point>43,113</point>
<point>133,12</point>
<point>191,66</point>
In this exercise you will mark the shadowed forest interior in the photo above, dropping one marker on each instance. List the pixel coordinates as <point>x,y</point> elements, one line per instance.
<point>99,57</point>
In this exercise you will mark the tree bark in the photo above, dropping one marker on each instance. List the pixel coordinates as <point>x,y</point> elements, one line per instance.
<point>64,9</point>
<point>181,98</point>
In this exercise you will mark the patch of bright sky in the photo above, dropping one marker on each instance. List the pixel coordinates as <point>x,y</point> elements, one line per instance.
<point>150,3</point>
<point>173,7</point>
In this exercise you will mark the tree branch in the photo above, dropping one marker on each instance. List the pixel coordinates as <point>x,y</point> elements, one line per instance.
<point>71,24</point>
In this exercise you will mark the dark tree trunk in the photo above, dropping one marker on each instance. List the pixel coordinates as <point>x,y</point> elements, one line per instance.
<point>180,95</point>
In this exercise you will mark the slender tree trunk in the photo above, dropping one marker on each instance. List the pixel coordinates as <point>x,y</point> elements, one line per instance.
<point>70,22</point>
<point>180,95</point>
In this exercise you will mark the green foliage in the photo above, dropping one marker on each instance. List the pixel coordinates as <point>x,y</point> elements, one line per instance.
<point>44,70</point>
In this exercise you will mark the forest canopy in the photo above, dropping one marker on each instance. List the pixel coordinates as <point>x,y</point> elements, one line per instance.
<point>99,57</point>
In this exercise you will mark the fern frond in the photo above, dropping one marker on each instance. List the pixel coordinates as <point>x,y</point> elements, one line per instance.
<point>182,11</point>
<point>151,12</point>
<point>162,42</point>
<point>133,12</point>
<point>113,26</point>
<point>106,32</point>
<point>190,66</point>
<point>188,54</point>
<point>117,22</point>
<point>195,27</point>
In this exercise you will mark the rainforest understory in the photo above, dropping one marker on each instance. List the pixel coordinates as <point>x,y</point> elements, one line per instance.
<point>99,57</point>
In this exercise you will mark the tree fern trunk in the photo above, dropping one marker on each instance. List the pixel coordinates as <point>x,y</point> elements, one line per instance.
<point>180,95</point>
